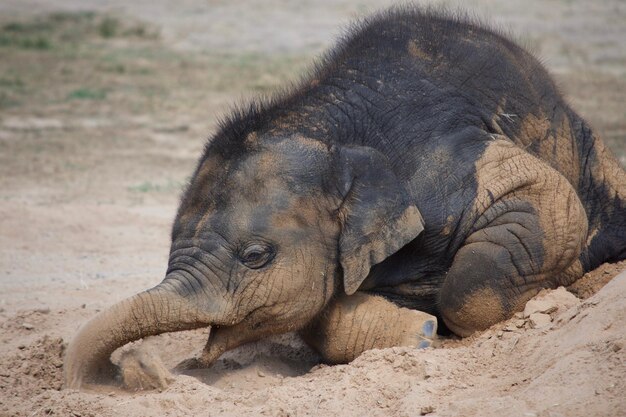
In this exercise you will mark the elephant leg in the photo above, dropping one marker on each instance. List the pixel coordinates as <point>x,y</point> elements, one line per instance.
<point>221,339</point>
<point>530,230</point>
<point>353,324</point>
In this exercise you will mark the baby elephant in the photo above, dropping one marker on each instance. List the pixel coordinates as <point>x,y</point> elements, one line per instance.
<point>428,167</point>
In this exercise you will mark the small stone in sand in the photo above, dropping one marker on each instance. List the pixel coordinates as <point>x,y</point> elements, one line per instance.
<point>427,410</point>
<point>539,320</point>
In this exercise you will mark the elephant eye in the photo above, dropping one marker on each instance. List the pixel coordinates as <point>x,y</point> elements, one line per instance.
<point>256,255</point>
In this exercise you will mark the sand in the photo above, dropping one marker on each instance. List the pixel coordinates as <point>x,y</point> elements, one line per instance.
<point>562,356</point>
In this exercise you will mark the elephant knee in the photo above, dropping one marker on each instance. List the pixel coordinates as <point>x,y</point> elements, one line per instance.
<point>476,293</point>
<point>479,310</point>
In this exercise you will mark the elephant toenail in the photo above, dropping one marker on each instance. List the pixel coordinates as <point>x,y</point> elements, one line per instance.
<point>429,328</point>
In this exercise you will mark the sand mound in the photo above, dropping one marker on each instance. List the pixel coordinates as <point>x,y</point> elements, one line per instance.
<point>561,356</point>
<point>34,368</point>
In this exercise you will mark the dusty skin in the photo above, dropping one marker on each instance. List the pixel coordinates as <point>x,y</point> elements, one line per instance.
<point>102,117</point>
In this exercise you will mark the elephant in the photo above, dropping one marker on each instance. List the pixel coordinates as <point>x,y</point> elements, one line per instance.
<point>426,176</point>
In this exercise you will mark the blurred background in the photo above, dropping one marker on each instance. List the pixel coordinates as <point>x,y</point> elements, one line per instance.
<point>105,106</point>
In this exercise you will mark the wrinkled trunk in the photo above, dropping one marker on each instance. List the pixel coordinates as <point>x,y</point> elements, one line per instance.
<point>152,312</point>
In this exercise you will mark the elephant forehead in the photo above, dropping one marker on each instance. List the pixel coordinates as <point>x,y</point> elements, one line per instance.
<point>281,214</point>
<point>276,185</point>
<point>258,176</point>
<point>296,162</point>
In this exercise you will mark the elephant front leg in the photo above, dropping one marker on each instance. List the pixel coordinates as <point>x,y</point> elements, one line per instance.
<point>529,235</point>
<point>353,324</point>
<point>221,339</point>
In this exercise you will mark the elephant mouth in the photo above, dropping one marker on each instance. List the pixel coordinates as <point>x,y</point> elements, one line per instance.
<point>162,309</point>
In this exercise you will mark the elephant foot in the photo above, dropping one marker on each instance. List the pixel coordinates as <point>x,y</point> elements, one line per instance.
<point>427,334</point>
<point>190,364</point>
<point>359,322</point>
<point>220,340</point>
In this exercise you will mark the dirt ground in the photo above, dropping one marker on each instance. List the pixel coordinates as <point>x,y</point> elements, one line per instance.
<point>104,108</point>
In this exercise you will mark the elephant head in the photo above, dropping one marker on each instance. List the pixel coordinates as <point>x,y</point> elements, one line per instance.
<point>268,230</point>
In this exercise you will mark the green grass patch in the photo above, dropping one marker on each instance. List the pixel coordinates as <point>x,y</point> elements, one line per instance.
<point>25,42</point>
<point>61,57</point>
<point>10,90</point>
<point>109,27</point>
<point>58,28</point>
<point>43,32</point>
<point>114,68</point>
<point>87,94</point>
<point>7,101</point>
<point>15,83</point>
<point>112,27</point>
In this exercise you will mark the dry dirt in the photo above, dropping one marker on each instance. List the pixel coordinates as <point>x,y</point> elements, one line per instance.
<point>104,107</point>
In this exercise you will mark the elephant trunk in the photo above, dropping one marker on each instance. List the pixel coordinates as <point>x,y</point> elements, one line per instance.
<point>152,312</point>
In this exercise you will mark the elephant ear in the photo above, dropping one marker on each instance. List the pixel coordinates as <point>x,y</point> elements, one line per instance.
<point>376,215</point>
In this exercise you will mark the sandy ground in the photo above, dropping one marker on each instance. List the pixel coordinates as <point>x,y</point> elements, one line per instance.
<point>104,107</point>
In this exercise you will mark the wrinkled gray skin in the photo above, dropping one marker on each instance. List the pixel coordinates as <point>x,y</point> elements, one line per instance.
<point>257,245</point>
